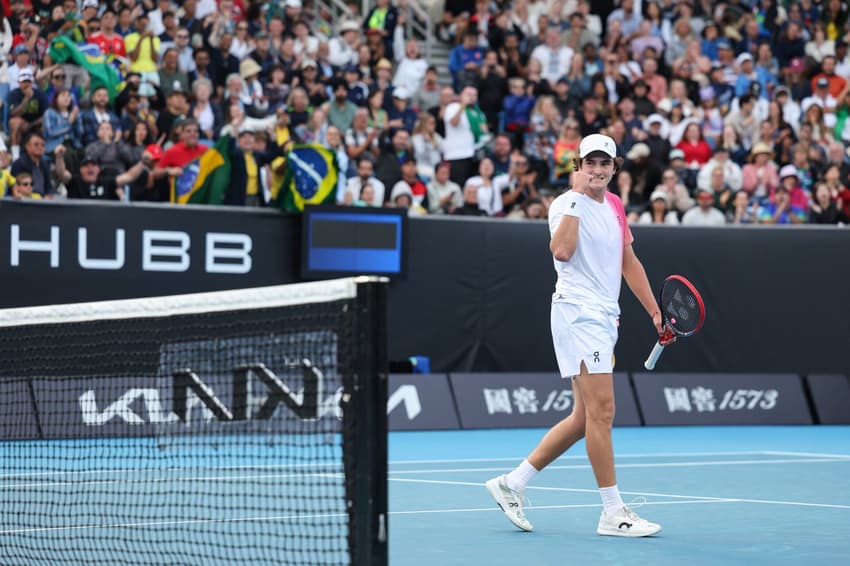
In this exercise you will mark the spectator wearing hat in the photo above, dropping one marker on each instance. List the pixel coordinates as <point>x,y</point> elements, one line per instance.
<point>401,115</point>
<point>402,197</point>
<point>659,210</point>
<point>251,95</point>
<point>248,169</point>
<point>27,105</point>
<point>317,91</point>
<point>760,176</point>
<point>655,137</point>
<point>410,182</point>
<point>790,177</point>
<point>343,47</point>
<point>748,74</point>
<point>686,174</point>
<point>821,97</point>
<point>795,80</point>
<point>837,84</point>
<point>780,210</point>
<point>383,18</point>
<point>732,174</point>
<point>704,214</point>
<point>91,182</point>
<point>22,61</point>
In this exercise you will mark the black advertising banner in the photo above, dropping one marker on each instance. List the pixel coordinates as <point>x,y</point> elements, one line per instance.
<point>831,398</point>
<point>74,251</point>
<point>509,400</point>
<point>420,401</point>
<point>721,399</point>
<point>17,419</point>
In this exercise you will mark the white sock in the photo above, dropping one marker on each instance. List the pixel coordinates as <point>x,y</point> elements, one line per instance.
<point>519,478</point>
<point>611,500</point>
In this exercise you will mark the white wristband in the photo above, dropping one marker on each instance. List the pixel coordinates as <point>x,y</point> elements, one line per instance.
<point>574,204</point>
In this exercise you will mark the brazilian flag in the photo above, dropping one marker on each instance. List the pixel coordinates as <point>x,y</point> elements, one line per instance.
<point>102,72</point>
<point>206,179</point>
<point>311,177</point>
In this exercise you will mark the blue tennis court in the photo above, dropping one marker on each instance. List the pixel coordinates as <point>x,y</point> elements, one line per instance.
<point>724,495</point>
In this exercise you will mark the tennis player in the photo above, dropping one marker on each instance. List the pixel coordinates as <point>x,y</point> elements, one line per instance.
<point>592,247</point>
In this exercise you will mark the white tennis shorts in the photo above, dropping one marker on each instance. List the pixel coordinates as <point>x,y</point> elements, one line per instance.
<point>580,334</point>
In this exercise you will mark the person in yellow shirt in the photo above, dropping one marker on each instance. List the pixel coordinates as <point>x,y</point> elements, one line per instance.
<point>246,171</point>
<point>143,50</point>
<point>7,181</point>
<point>283,138</point>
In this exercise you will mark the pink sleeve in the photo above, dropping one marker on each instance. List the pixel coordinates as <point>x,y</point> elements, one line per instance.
<point>617,206</point>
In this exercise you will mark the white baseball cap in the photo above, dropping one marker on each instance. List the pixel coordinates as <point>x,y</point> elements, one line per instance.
<point>597,142</point>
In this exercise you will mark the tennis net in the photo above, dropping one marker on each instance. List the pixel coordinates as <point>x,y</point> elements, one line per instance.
<point>235,427</point>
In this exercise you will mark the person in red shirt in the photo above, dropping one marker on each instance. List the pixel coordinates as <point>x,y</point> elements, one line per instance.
<point>110,43</point>
<point>695,148</point>
<point>176,157</point>
<point>836,82</point>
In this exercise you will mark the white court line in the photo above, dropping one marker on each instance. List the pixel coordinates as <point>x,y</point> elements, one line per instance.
<point>391,463</point>
<point>641,465</point>
<point>584,457</point>
<point>141,524</point>
<point>804,454</point>
<point>643,494</point>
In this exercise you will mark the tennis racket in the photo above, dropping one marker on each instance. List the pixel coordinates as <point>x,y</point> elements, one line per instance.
<point>682,311</point>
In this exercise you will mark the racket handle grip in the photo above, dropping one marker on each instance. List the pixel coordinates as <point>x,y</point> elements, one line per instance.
<point>653,356</point>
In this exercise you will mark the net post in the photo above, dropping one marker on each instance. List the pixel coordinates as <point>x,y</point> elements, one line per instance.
<point>368,407</point>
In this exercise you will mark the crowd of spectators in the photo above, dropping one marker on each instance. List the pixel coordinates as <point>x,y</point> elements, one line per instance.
<point>732,111</point>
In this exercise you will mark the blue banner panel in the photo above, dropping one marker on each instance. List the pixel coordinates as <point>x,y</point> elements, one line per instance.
<point>17,420</point>
<point>421,402</point>
<point>508,400</point>
<point>721,399</point>
<point>831,398</point>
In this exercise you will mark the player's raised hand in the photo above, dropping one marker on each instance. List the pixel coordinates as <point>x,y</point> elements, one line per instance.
<point>581,182</point>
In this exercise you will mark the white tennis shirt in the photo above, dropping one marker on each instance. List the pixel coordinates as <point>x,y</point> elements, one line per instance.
<point>593,275</point>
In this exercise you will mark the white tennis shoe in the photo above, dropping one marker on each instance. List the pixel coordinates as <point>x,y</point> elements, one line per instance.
<point>626,523</point>
<point>510,502</point>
